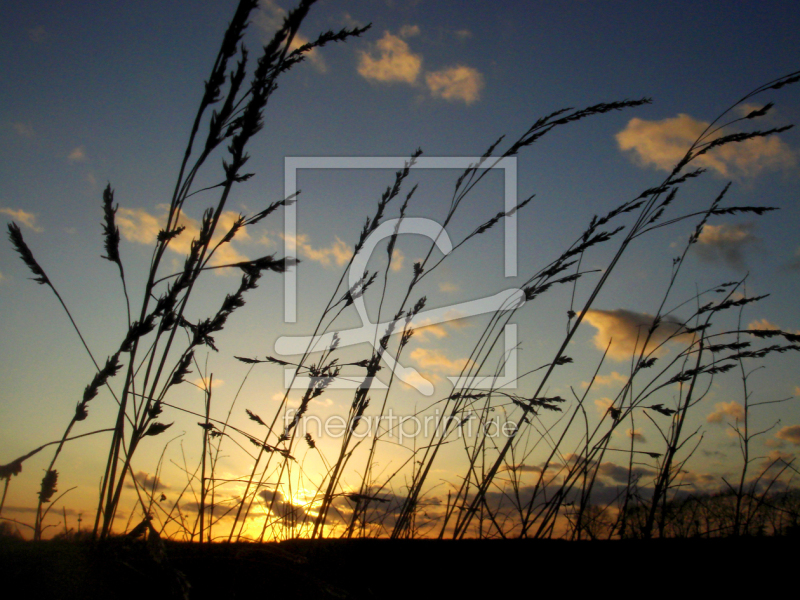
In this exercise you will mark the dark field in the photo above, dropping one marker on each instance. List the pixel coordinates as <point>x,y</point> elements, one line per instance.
<point>123,568</point>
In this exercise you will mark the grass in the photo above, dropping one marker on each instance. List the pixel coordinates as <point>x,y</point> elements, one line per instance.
<point>496,494</point>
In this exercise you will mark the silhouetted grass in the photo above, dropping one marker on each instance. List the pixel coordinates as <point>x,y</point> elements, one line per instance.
<point>492,496</point>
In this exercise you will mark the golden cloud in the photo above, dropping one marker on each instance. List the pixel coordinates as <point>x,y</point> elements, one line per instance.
<point>392,62</point>
<point>456,83</point>
<point>790,433</point>
<point>435,360</point>
<point>139,226</point>
<point>725,243</point>
<point>664,143</point>
<point>606,380</point>
<point>734,410</point>
<point>339,252</point>
<point>627,330</point>
<point>26,218</point>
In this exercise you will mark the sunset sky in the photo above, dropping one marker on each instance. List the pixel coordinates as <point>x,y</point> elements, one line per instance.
<point>97,92</point>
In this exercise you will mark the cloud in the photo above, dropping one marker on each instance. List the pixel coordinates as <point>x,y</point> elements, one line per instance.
<point>462,34</point>
<point>637,435</point>
<point>149,483</point>
<point>269,18</point>
<point>612,378</point>
<point>447,287</point>
<point>776,460</point>
<point>408,31</point>
<point>794,264</point>
<point>37,34</point>
<point>627,330</point>
<point>663,143</point>
<point>620,474</point>
<point>734,410</point>
<point>77,155</point>
<point>202,382</point>
<point>435,360</point>
<point>339,252</point>
<point>603,404</point>
<point>456,83</point>
<point>281,506</point>
<point>762,324</point>
<point>790,433</point>
<point>423,329</point>
<point>139,226</point>
<point>21,216</point>
<point>24,130</point>
<point>391,61</point>
<point>397,260</point>
<point>725,244</point>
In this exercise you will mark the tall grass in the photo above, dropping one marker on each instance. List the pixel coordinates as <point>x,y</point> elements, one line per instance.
<point>356,495</point>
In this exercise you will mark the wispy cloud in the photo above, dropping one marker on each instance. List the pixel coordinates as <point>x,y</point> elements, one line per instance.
<point>602,405</point>
<point>338,253</point>
<point>794,263</point>
<point>612,378</point>
<point>77,155</point>
<point>139,226</point>
<point>24,130</point>
<point>425,328</point>
<point>761,324</point>
<point>627,330</point>
<point>203,382</point>
<point>390,60</point>
<point>726,244</point>
<point>776,460</point>
<point>435,360</point>
<point>21,216</point>
<point>790,433</point>
<point>447,287</point>
<point>663,143</point>
<point>732,410</point>
<point>459,83</point>
<point>408,31</point>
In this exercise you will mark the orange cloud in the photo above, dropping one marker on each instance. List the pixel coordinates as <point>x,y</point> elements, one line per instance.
<point>664,143</point>
<point>725,243</point>
<point>734,410</point>
<point>338,252</point>
<point>790,433</point>
<point>139,226</point>
<point>393,61</point>
<point>626,330</point>
<point>26,218</point>
<point>456,83</point>
<point>435,360</point>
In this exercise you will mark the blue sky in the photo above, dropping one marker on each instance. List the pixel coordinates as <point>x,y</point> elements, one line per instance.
<point>98,93</point>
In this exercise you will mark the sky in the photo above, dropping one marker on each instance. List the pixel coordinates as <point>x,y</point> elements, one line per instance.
<point>98,93</point>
